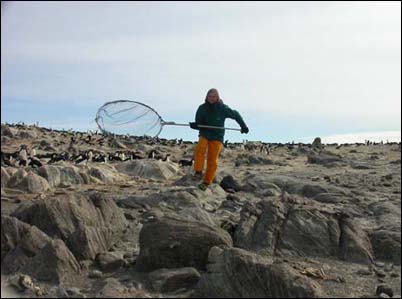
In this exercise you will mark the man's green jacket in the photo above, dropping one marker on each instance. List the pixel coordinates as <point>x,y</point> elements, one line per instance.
<point>215,115</point>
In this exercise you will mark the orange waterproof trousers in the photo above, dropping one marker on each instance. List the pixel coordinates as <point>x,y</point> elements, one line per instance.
<point>214,148</point>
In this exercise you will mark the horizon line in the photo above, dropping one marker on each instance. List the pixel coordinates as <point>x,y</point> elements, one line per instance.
<point>391,136</point>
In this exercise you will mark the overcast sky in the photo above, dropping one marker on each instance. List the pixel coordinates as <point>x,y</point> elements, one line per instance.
<point>292,69</point>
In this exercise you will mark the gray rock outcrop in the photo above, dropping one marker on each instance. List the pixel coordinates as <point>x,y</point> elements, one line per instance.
<point>87,224</point>
<point>175,243</point>
<point>236,273</point>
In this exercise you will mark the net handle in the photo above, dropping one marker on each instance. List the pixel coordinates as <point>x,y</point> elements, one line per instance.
<point>172,123</point>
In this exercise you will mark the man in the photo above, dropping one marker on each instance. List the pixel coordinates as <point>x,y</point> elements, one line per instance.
<point>212,113</point>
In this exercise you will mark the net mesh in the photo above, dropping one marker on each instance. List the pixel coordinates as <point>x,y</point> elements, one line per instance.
<point>128,117</point>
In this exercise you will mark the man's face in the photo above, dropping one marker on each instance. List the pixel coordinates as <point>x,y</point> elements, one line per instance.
<point>212,97</point>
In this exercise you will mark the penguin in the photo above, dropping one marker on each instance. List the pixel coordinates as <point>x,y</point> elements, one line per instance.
<point>55,158</point>
<point>35,163</point>
<point>22,156</point>
<point>152,154</point>
<point>66,156</point>
<point>32,152</point>
<point>265,149</point>
<point>136,156</point>
<point>90,156</point>
<point>114,157</point>
<point>8,159</point>
<point>166,159</point>
<point>98,158</point>
<point>81,158</point>
<point>184,162</point>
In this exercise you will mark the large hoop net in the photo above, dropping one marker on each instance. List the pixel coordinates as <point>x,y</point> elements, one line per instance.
<point>128,117</point>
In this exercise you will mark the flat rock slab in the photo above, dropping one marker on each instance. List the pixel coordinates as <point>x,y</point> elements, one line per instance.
<point>175,243</point>
<point>150,169</point>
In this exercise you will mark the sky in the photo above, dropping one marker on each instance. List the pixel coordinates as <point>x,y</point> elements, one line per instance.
<point>293,70</point>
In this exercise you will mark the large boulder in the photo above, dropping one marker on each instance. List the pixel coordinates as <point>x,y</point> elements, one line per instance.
<point>175,243</point>
<point>236,273</point>
<point>16,178</point>
<point>87,224</point>
<point>71,175</point>
<point>263,185</point>
<point>101,174</point>
<point>325,158</point>
<point>109,261</point>
<point>198,214</point>
<point>309,232</point>
<point>33,183</point>
<point>51,173</point>
<point>354,243</point>
<point>149,169</point>
<point>26,249</point>
<point>317,143</point>
<point>387,245</point>
<point>273,185</point>
<point>179,198</point>
<point>55,263</point>
<point>258,223</point>
<point>300,228</point>
<point>56,175</point>
<point>19,243</point>
<point>105,173</point>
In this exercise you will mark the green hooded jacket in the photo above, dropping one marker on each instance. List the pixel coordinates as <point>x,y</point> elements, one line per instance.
<point>215,115</point>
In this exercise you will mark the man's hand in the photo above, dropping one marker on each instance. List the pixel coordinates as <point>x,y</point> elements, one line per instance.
<point>193,125</point>
<point>244,130</point>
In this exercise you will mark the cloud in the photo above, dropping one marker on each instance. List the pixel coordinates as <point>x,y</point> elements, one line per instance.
<point>336,62</point>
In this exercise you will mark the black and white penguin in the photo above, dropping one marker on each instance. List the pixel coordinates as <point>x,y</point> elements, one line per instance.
<point>81,158</point>
<point>35,163</point>
<point>184,162</point>
<point>166,159</point>
<point>152,154</point>
<point>23,155</point>
<point>136,156</point>
<point>123,156</point>
<point>32,153</point>
<point>55,158</point>
<point>90,156</point>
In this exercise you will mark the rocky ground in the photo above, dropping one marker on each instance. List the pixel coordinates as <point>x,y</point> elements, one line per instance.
<point>95,216</point>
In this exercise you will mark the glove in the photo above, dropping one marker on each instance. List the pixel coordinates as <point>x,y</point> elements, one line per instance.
<point>194,126</point>
<point>244,130</point>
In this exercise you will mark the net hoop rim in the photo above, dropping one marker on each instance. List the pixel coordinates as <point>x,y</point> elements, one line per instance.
<point>126,101</point>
